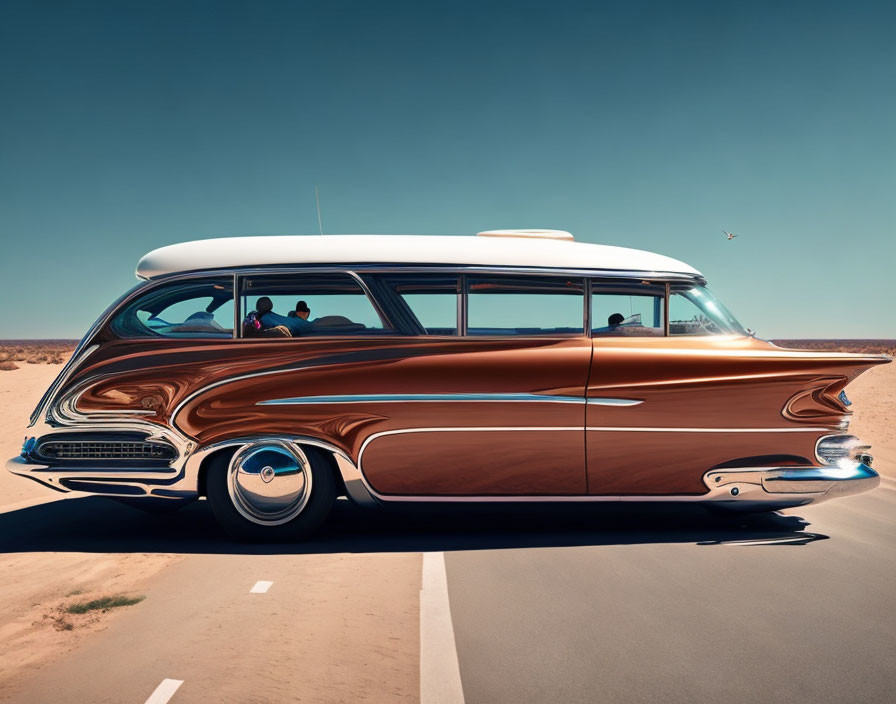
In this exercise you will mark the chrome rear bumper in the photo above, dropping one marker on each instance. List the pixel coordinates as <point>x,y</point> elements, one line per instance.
<point>795,485</point>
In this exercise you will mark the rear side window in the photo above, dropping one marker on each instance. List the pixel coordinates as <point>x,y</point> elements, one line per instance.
<point>427,303</point>
<point>525,305</point>
<point>201,308</point>
<point>303,304</point>
<point>627,310</point>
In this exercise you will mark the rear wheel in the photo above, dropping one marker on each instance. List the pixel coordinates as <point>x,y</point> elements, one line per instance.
<point>271,490</point>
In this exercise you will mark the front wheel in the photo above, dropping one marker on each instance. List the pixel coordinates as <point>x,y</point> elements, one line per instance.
<point>271,490</point>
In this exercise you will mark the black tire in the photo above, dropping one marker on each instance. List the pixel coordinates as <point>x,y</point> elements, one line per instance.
<point>315,511</point>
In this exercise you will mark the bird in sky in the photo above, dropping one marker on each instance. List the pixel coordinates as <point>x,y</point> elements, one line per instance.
<point>730,235</point>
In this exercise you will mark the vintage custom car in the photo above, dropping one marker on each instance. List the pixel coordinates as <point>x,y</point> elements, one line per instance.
<point>270,375</point>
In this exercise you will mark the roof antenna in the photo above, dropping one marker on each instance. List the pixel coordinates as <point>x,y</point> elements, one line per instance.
<point>317,200</point>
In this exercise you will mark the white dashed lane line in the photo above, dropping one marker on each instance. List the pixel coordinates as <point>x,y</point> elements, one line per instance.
<point>164,691</point>
<point>167,688</point>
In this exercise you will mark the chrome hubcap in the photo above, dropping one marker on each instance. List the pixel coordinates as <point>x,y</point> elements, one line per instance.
<point>269,482</point>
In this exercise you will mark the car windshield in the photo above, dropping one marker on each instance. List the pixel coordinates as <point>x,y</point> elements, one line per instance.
<point>695,311</point>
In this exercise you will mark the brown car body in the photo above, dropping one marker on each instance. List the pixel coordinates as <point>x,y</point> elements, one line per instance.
<point>461,417</point>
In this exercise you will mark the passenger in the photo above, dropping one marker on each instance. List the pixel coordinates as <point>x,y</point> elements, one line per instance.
<point>266,319</point>
<point>299,318</point>
<point>615,320</point>
<point>293,322</point>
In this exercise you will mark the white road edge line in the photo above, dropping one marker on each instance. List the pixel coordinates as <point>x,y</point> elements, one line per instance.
<point>439,670</point>
<point>260,587</point>
<point>164,691</point>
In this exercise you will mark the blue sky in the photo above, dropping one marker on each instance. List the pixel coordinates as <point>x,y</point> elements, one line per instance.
<point>127,126</point>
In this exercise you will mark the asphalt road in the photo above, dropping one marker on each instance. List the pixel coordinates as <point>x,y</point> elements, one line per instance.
<point>611,604</point>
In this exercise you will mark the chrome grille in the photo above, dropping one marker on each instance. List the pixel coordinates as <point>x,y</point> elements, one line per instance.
<point>105,450</point>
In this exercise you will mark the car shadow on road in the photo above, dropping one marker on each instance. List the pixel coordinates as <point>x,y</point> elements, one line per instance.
<point>94,524</point>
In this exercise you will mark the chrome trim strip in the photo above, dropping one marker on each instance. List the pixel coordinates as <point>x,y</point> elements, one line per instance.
<point>666,309</point>
<point>704,430</point>
<point>423,398</point>
<point>462,304</point>
<point>597,401</point>
<point>237,314</point>
<point>449,397</point>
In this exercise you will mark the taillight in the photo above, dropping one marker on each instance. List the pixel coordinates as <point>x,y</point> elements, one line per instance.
<point>842,449</point>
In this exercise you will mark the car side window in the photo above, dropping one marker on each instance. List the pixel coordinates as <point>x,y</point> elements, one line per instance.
<point>427,303</point>
<point>525,305</point>
<point>305,304</point>
<point>627,310</point>
<point>200,308</point>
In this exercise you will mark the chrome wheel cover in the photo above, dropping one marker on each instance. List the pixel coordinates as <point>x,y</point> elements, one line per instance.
<point>269,482</point>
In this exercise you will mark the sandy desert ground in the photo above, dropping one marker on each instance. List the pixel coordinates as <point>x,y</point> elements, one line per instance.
<point>35,590</point>
<point>37,586</point>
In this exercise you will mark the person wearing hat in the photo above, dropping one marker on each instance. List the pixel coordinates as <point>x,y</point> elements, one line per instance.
<point>299,323</point>
<point>302,311</point>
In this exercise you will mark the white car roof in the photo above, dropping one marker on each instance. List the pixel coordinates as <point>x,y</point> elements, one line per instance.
<point>464,250</point>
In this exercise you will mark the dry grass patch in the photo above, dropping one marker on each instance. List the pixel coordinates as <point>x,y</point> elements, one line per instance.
<point>103,603</point>
<point>82,615</point>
